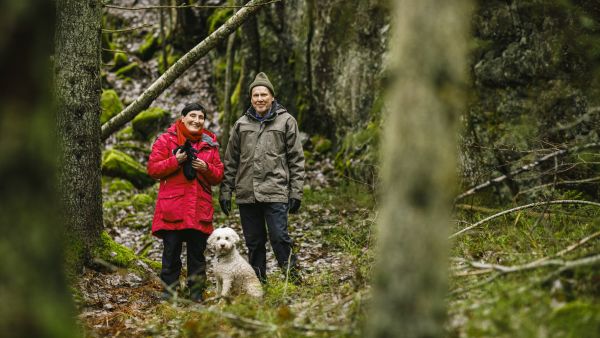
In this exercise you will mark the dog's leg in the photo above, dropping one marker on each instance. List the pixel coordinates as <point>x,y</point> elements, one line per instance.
<point>219,286</point>
<point>226,287</point>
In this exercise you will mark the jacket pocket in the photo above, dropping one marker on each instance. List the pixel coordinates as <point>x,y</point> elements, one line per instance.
<point>171,206</point>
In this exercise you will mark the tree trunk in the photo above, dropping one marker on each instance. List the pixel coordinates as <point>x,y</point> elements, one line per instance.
<point>77,69</point>
<point>228,114</point>
<point>34,298</point>
<point>429,62</point>
<point>250,49</point>
<point>185,62</point>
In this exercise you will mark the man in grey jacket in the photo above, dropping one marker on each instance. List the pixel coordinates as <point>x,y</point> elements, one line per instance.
<point>264,165</point>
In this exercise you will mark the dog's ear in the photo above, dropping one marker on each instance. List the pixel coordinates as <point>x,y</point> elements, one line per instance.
<point>236,237</point>
<point>211,241</point>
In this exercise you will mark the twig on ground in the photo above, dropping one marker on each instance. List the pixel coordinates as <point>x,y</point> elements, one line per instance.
<point>531,205</point>
<point>535,163</point>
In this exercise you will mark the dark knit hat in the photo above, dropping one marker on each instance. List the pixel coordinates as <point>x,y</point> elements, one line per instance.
<point>261,79</point>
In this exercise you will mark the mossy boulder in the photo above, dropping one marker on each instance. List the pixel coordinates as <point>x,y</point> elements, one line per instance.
<point>114,253</point>
<point>142,202</point>
<point>116,163</point>
<point>148,47</point>
<point>149,122</point>
<point>130,70</point>
<point>358,155</point>
<point>111,105</point>
<point>320,144</point>
<point>120,60</point>
<point>119,184</point>
<point>125,134</point>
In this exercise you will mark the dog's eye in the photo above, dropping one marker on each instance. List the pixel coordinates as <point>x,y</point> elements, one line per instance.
<point>218,238</point>
<point>226,238</point>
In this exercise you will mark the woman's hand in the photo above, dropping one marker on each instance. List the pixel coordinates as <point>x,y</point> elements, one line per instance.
<point>181,156</point>
<point>199,165</point>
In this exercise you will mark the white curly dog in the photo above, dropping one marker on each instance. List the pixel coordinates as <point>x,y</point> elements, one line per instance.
<point>233,273</point>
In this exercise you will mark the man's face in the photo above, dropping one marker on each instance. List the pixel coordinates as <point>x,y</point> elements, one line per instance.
<point>193,121</point>
<point>261,99</point>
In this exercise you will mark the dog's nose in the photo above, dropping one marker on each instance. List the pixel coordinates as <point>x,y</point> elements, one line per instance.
<point>222,245</point>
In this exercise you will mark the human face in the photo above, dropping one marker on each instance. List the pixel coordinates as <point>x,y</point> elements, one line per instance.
<point>193,121</point>
<point>262,100</point>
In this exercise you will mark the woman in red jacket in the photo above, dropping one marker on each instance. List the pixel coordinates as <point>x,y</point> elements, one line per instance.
<point>186,161</point>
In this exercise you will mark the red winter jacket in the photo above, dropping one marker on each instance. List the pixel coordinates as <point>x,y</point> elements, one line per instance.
<point>181,203</point>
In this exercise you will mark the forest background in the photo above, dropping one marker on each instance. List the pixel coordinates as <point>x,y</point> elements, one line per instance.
<point>527,112</point>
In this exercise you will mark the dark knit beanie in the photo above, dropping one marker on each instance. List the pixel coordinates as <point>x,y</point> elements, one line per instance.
<point>261,79</point>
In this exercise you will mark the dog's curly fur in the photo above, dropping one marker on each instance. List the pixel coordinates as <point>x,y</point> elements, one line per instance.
<point>234,275</point>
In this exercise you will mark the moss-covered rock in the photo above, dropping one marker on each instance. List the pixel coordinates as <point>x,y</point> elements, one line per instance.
<point>358,155</point>
<point>111,105</point>
<point>114,253</point>
<point>148,47</point>
<point>142,202</point>
<point>148,122</point>
<point>320,144</point>
<point>120,60</point>
<point>125,134</point>
<point>130,70</point>
<point>116,163</point>
<point>118,184</point>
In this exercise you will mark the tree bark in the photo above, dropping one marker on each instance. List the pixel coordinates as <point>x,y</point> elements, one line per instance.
<point>77,83</point>
<point>228,116</point>
<point>185,62</point>
<point>34,298</point>
<point>428,67</point>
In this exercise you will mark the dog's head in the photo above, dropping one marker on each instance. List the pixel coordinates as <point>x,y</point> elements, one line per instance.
<point>222,241</point>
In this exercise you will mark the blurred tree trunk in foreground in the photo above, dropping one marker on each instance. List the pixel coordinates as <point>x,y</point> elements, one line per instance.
<point>77,82</point>
<point>34,299</point>
<point>428,69</point>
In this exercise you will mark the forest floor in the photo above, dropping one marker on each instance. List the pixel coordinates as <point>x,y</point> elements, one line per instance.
<point>510,277</point>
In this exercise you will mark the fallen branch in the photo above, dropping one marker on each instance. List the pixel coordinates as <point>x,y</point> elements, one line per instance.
<point>524,168</point>
<point>184,63</point>
<point>574,182</point>
<point>532,205</point>
<point>502,270</point>
<point>141,8</point>
<point>107,30</point>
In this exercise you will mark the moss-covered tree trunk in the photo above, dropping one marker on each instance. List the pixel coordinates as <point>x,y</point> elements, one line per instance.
<point>77,70</point>
<point>34,298</point>
<point>429,53</point>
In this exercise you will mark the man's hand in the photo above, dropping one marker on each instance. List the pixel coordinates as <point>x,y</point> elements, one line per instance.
<point>294,205</point>
<point>199,165</point>
<point>225,206</point>
<point>181,156</point>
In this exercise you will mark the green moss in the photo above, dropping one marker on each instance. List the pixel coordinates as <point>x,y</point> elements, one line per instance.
<point>148,122</point>
<point>142,202</point>
<point>172,57</point>
<point>576,319</point>
<point>119,60</point>
<point>125,134</point>
<point>147,49</point>
<point>131,69</point>
<point>111,105</point>
<point>358,155</point>
<point>116,163</point>
<point>320,144</point>
<point>118,184</point>
<point>218,18</point>
<point>114,253</point>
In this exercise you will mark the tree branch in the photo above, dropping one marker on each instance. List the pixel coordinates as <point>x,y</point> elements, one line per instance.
<point>532,205</point>
<point>185,62</point>
<point>524,168</point>
<point>186,6</point>
<point>105,30</point>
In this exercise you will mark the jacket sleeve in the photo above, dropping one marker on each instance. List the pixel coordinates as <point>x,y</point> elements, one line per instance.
<point>232,159</point>
<point>162,162</point>
<point>295,159</point>
<point>214,175</point>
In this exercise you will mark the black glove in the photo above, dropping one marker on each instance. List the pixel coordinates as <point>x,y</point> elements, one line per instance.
<point>188,170</point>
<point>294,205</point>
<point>225,206</point>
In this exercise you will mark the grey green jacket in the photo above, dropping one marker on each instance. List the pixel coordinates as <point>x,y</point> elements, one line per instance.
<point>264,160</point>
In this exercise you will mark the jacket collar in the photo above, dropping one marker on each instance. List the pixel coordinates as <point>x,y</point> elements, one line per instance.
<point>207,136</point>
<point>275,110</point>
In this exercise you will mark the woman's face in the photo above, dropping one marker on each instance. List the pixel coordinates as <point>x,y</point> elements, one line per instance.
<point>193,121</point>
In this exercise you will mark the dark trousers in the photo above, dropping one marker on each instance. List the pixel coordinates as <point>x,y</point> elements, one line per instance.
<point>171,258</point>
<point>253,217</point>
